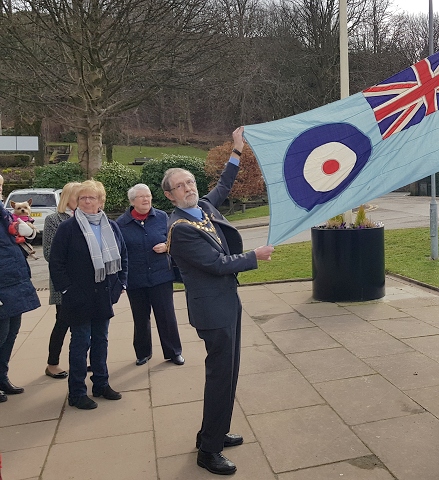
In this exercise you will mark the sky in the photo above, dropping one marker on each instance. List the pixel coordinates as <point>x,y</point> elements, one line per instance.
<point>416,6</point>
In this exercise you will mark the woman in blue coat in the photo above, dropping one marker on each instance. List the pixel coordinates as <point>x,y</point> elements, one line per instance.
<point>88,265</point>
<point>150,276</point>
<point>17,295</point>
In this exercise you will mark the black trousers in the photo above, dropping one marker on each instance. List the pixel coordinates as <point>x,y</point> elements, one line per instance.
<point>57,337</point>
<point>223,347</point>
<point>161,299</point>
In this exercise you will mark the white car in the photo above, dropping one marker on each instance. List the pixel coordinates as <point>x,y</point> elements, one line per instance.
<point>44,202</point>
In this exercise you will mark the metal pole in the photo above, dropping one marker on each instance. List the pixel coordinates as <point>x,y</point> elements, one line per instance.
<point>433,203</point>
<point>344,67</point>
<point>344,57</point>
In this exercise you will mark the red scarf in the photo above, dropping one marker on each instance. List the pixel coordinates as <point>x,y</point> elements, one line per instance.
<point>139,216</point>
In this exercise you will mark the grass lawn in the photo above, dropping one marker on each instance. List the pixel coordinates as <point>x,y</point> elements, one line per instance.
<point>127,154</point>
<point>255,212</point>
<point>407,253</point>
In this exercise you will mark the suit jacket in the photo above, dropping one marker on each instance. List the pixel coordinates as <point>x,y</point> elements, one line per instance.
<point>210,261</point>
<point>71,269</point>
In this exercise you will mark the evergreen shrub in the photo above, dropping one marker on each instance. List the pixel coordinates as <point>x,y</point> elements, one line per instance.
<point>56,176</point>
<point>117,180</point>
<point>153,171</point>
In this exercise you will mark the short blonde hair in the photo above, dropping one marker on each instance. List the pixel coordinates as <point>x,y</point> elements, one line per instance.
<point>95,187</point>
<point>67,191</point>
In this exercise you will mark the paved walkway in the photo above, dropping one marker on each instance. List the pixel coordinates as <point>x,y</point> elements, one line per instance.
<point>326,391</point>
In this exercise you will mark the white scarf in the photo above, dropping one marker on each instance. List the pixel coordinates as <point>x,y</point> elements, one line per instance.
<point>106,261</point>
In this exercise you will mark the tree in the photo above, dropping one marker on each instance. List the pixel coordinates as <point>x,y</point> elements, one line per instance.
<point>84,63</point>
<point>249,183</point>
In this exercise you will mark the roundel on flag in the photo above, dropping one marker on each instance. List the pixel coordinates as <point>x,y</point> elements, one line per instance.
<point>322,162</point>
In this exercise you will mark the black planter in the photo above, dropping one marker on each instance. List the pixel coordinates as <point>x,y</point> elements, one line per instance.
<point>348,264</point>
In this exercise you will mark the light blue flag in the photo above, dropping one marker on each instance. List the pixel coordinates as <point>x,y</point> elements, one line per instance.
<point>326,161</point>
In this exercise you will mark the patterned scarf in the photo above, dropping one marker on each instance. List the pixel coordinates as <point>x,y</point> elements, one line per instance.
<point>107,261</point>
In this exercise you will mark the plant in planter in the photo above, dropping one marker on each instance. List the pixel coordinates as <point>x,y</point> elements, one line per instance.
<point>348,259</point>
<point>361,221</point>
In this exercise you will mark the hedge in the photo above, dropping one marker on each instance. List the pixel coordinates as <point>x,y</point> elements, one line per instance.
<point>153,171</point>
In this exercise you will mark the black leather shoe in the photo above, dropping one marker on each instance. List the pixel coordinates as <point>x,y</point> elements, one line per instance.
<point>230,440</point>
<point>83,403</point>
<point>62,374</point>
<point>215,463</point>
<point>10,389</point>
<point>178,360</point>
<point>3,397</point>
<point>107,392</point>
<point>142,361</point>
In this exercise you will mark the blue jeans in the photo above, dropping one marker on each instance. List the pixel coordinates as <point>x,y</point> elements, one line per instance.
<point>93,336</point>
<point>9,328</point>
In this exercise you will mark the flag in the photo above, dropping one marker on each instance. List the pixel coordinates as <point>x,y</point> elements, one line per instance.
<point>321,163</point>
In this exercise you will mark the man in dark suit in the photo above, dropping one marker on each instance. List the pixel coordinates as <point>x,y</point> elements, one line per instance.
<point>208,251</point>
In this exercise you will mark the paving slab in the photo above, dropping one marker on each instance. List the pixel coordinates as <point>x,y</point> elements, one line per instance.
<point>285,321</point>
<point>329,364</point>
<point>407,370</point>
<point>407,445</point>
<point>302,340</point>
<point>375,311</point>
<point>429,346</point>
<point>27,435</point>
<point>373,343</point>
<point>252,335</point>
<point>363,468</point>
<point>406,327</point>
<point>262,358</point>
<point>24,464</point>
<point>176,385</point>
<point>258,308</point>
<point>255,392</point>
<point>426,397</point>
<point>366,399</point>
<point>305,437</point>
<point>320,309</point>
<point>116,457</point>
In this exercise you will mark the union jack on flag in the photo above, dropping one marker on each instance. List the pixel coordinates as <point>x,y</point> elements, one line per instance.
<point>406,98</point>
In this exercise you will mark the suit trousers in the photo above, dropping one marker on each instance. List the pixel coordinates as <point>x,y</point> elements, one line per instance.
<point>223,347</point>
<point>161,299</point>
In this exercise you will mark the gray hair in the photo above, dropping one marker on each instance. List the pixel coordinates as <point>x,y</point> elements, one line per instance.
<point>132,192</point>
<point>166,184</point>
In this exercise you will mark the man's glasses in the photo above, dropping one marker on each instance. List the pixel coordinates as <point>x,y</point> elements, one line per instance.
<point>92,199</point>
<point>188,183</point>
<point>143,196</point>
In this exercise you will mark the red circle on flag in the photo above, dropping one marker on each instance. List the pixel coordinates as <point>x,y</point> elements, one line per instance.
<point>330,166</point>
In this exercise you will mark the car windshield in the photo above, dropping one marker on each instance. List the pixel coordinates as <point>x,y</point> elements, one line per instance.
<point>38,199</point>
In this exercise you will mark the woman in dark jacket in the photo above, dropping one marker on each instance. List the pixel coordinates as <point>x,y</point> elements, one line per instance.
<point>88,265</point>
<point>67,204</point>
<point>150,276</point>
<point>17,295</point>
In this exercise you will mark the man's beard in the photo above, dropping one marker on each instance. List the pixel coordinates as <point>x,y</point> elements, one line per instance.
<point>190,201</point>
